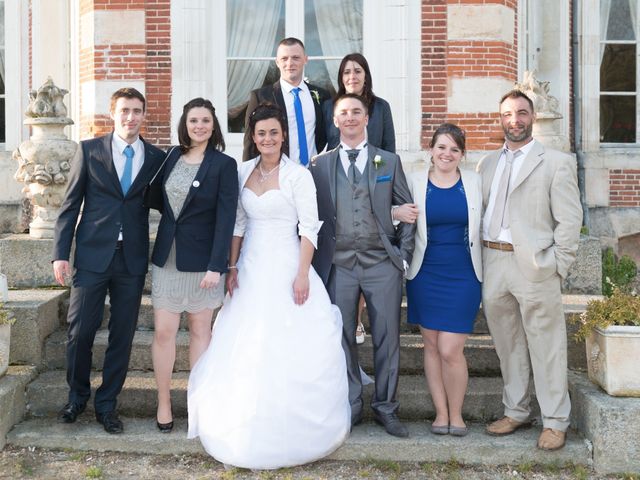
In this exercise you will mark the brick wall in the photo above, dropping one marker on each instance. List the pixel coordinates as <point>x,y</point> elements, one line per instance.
<point>624,188</point>
<point>443,59</point>
<point>149,62</point>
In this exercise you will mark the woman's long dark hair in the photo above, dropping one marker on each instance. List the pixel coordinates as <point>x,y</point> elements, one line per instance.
<point>216,141</point>
<point>367,89</point>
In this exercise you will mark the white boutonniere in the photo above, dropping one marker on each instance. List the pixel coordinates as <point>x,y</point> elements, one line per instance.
<point>316,96</point>
<point>378,162</point>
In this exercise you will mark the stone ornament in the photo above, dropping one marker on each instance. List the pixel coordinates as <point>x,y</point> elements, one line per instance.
<point>546,128</point>
<point>45,159</point>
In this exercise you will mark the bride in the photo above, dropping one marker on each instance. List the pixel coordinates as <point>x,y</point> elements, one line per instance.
<point>271,390</point>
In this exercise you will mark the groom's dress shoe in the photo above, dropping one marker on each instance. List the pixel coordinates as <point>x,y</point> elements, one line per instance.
<point>391,424</point>
<point>70,412</point>
<point>110,422</point>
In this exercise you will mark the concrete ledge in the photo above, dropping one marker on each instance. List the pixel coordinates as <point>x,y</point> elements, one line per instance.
<point>610,423</point>
<point>13,399</point>
<point>38,313</point>
<point>367,441</point>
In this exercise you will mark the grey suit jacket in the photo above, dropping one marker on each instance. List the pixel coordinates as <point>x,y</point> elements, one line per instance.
<point>544,210</point>
<point>387,187</point>
<point>380,131</point>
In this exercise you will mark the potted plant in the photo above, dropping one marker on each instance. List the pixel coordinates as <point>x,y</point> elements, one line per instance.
<point>611,328</point>
<point>6,320</point>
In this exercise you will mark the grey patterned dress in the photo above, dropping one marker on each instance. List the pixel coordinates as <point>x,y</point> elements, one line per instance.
<point>171,289</point>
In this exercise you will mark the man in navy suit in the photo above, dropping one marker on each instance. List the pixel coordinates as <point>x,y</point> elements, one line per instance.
<point>286,92</point>
<point>108,175</point>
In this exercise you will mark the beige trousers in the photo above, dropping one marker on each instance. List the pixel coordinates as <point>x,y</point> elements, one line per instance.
<point>526,321</point>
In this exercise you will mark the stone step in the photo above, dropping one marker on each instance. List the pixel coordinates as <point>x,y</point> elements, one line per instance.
<point>367,441</point>
<point>573,304</point>
<point>48,393</point>
<point>145,318</point>
<point>479,351</point>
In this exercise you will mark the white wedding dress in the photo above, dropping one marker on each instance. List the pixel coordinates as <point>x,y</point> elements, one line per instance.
<point>271,390</point>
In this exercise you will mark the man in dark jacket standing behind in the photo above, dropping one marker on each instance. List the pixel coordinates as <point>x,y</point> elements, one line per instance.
<point>108,175</point>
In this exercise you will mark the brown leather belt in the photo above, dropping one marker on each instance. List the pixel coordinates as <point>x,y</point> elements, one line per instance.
<point>505,247</point>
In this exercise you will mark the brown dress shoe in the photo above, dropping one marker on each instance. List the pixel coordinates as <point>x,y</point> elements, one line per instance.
<point>505,426</point>
<point>551,439</point>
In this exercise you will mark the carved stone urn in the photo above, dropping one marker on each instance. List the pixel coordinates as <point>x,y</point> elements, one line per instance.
<point>45,159</point>
<point>547,128</point>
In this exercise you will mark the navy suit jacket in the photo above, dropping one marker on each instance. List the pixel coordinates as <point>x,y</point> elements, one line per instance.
<point>202,230</point>
<point>93,180</point>
<point>273,94</point>
<point>380,131</point>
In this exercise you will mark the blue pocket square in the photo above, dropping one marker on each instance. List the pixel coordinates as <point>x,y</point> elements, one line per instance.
<point>383,178</point>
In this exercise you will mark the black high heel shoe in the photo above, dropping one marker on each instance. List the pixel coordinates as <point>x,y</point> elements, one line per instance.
<point>165,427</point>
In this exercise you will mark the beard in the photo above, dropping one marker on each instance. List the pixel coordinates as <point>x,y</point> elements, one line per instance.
<point>526,133</point>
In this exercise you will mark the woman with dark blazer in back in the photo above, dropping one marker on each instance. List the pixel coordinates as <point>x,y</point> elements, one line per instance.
<point>354,76</point>
<point>190,255</point>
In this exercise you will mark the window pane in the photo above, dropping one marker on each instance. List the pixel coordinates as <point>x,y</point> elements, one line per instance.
<point>332,28</point>
<point>319,73</point>
<point>255,74</point>
<point>618,68</point>
<point>616,17</point>
<point>617,119</point>
<point>254,27</point>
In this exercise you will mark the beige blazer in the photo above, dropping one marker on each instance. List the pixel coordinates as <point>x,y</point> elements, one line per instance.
<point>544,210</point>
<point>473,191</point>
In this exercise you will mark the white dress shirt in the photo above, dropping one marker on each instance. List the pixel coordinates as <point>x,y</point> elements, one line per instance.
<point>117,148</point>
<point>361,160</point>
<point>117,152</point>
<point>309,113</point>
<point>505,233</point>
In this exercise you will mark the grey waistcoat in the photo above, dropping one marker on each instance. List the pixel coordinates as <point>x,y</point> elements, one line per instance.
<point>357,235</point>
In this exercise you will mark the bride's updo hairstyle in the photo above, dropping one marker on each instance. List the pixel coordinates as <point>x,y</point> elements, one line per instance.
<point>265,111</point>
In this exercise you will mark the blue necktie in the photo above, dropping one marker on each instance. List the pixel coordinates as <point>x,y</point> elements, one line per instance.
<point>302,134</point>
<point>125,181</point>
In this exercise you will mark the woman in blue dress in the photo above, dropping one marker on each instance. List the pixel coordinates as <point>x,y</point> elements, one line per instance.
<point>443,281</point>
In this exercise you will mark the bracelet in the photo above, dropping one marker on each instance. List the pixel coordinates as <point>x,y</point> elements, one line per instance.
<point>232,267</point>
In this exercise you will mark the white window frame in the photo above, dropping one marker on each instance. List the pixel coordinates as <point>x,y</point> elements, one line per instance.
<point>16,26</point>
<point>589,81</point>
<point>199,66</point>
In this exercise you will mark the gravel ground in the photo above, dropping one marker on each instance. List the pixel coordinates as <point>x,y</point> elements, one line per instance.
<point>33,463</point>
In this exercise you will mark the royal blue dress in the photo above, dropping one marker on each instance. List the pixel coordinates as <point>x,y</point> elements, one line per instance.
<point>445,294</point>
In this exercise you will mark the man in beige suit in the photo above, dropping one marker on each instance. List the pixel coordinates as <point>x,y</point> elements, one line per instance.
<point>530,231</point>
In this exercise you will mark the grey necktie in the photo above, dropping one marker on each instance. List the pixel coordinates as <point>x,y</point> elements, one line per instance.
<point>353,173</point>
<point>500,216</point>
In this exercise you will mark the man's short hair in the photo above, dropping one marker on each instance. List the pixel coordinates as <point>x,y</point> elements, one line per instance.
<point>515,93</point>
<point>350,95</point>
<point>127,92</point>
<point>289,41</point>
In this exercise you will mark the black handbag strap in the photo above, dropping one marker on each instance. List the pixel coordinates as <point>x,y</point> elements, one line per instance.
<point>163,162</point>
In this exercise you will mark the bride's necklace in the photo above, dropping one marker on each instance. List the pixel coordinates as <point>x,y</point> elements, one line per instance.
<point>265,175</point>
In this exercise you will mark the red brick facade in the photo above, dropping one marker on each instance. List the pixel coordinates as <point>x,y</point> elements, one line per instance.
<point>150,63</point>
<point>624,188</point>
<point>443,59</point>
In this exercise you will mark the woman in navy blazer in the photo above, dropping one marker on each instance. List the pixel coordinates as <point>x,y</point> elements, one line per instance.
<point>190,255</point>
<point>354,76</point>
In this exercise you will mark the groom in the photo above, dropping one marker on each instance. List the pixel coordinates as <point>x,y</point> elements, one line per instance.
<point>359,250</point>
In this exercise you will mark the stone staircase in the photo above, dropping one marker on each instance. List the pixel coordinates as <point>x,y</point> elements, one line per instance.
<point>35,392</point>
<point>48,392</point>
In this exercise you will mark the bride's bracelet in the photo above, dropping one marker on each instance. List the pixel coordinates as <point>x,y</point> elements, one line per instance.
<point>232,267</point>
